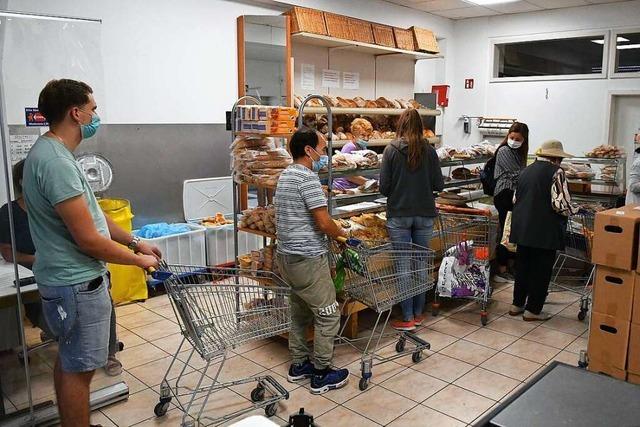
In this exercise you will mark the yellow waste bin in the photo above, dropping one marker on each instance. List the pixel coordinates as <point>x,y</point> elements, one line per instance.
<point>128,283</point>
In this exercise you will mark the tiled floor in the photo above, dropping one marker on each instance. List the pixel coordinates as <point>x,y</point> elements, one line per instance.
<point>468,370</point>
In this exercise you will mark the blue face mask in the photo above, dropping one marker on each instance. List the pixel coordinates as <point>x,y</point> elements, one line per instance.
<point>362,144</point>
<point>90,128</point>
<point>321,163</point>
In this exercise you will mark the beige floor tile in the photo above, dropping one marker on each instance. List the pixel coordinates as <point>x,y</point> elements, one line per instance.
<point>498,308</point>
<point>140,355</point>
<point>489,338</point>
<point>251,345</point>
<point>564,297</point>
<point>511,366</point>
<point>166,311</point>
<point>454,327</point>
<point>130,339</point>
<point>487,383</point>
<point>137,408</point>
<point>156,301</point>
<point>127,309</point>
<point>381,372</point>
<point>152,373</point>
<point>571,312</point>
<point>136,320</point>
<point>344,355</point>
<point>532,351</point>
<point>170,344</point>
<point>222,402</point>
<point>550,337</point>
<point>473,317</point>
<point>577,345</point>
<point>157,330</point>
<point>193,359</point>
<point>380,405</point>
<point>98,418</point>
<point>516,326</point>
<point>302,398</point>
<point>133,383</point>
<point>423,416</point>
<point>414,385</point>
<point>459,403</point>
<point>270,355</point>
<point>566,357</point>
<point>172,418</point>
<point>41,388</point>
<point>568,326</point>
<point>469,352</point>
<point>343,417</point>
<point>503,295</point>
<point>237,368</point>
<point>443,367</point>
<point>437,340</point>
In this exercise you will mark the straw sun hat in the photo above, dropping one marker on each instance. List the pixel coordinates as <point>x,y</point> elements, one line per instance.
<point>552,148</point>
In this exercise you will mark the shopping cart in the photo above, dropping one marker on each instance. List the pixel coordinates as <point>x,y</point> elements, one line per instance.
<point>380,275</point>
<point>219,309</point>
<point>572,270</point>
<point>468,243</point>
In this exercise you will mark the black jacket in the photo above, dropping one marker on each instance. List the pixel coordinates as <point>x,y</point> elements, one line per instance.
<point>410,193</point>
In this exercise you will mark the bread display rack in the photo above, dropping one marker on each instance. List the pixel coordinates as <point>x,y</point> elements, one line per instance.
<point>604,184</point>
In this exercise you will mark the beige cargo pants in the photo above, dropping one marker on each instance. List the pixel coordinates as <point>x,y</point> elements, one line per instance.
<point>313,299</point>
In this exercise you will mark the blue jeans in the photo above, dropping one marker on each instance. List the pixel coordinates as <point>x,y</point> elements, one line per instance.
<point>79,317</point>
<point>417,230</point>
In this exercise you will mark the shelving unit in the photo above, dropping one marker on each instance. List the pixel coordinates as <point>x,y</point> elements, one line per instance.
<point>597,189</point>
<point>367,111</point>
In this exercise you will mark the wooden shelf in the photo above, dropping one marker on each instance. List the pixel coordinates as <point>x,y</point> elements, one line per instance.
<point>258,232</point>
<point>368,111</point>
<point>373,49</point>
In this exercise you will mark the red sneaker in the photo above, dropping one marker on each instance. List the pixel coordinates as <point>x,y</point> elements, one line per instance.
<point>417,320</point>
<point>401,325</point>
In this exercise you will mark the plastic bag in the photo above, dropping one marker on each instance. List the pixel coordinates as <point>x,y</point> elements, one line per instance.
<point>506,234</point>
<point>153,231</point>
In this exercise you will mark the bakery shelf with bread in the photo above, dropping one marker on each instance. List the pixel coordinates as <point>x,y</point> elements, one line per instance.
<point>597,179</point>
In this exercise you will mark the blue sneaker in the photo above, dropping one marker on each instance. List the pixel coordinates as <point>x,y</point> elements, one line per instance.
<point>331,380</point>
<point>300,371</point>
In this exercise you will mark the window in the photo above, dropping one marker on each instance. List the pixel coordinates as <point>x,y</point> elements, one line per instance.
<point>579,56</point>
<point>626,56</point>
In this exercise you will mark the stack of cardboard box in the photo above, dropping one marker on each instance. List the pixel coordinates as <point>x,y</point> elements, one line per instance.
<point>614,334</point>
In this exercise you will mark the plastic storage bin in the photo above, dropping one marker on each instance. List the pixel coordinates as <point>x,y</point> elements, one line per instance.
<point>220,244</point>
<point>185,248</point>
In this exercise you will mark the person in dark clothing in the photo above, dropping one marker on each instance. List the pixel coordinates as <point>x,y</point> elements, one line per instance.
<point>409,175</point>
<point>511,159</point>
<point>26,256</point>
<point>542,205</point>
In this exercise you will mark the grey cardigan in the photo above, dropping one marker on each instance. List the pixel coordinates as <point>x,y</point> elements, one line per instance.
<point>410,193</point>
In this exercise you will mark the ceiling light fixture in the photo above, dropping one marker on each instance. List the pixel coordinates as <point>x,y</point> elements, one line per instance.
<point>489,2</point>
<point>628,46</point>
<point>619,39</point>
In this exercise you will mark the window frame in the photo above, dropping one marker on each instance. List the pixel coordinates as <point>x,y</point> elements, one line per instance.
<point>612,54</point>
<point>494,55</point>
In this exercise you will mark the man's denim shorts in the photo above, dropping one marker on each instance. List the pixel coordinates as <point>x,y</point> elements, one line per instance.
<point>79,317</point>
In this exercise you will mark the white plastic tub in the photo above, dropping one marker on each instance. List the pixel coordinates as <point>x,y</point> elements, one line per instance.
<point>220,244</point>
<point>186,248</point>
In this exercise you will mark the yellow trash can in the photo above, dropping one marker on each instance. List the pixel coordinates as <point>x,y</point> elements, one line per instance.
<point>128,283</point>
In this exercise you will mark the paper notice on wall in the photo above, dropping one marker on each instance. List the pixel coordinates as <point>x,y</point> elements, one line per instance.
<point>308,76</point>
<point>330,78</point>
<point>20,146</point>
<point>350,80</point>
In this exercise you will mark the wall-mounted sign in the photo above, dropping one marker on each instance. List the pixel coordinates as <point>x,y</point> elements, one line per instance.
<point>350,80</point>
<point>468,83</point>
<point>330,78</point>
<point>33,117</point>
<point>308,76</point>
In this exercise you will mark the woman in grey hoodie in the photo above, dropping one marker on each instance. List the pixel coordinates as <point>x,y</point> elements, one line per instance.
<point>409,175</point>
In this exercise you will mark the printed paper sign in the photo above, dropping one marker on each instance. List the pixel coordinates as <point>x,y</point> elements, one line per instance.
<point>308,76</point>
<point>330,78</point>
<point>351,80</point>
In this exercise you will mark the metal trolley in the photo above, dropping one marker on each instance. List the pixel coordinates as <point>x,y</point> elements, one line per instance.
<point>468,243</point>
<point>380,275</point>
<point>573,270</point>
<point>219,309</point>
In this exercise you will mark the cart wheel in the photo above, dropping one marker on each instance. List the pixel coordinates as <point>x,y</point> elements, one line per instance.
<point>582,364</point>
<point>400,345</point>
<point>364,383</point>
<point>484,319</point>
<point>161,409</point>
<point>257,394</point>
<point>416,356</point>
<point>435,309</point>
<point>270,410</point>
<point>120,346</point>
<point>582,314</point>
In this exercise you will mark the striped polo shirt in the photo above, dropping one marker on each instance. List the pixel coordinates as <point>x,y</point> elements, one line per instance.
<point>298,192</point>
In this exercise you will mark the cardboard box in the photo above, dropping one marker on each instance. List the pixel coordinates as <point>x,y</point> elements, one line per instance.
<point>615,240</point>
<point>635,317</point>
<point>600,367</point>
<point>633,361</point>
<point>633,378</point>
<point>609,340</point>
<point>613,292</point>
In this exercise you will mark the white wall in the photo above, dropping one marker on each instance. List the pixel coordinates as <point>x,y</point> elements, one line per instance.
<point>574,111</point>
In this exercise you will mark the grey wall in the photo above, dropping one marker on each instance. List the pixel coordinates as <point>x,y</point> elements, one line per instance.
<point>150,163</point>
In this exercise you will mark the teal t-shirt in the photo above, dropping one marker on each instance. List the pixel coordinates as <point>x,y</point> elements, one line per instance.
<point>51,176</point>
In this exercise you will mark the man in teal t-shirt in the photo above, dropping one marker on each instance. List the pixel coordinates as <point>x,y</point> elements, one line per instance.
<point>73,240</point>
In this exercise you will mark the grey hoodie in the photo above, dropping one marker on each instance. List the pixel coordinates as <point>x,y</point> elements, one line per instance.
<point>410,193</point>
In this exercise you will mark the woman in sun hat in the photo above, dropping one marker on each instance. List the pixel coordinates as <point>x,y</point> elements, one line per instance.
<point>541,206</point>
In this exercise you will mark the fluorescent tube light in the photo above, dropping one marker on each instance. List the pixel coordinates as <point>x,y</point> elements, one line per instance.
<point>619,39</point>
<point>628,46</point>
<point>29,15</point>
<point>598,41</point>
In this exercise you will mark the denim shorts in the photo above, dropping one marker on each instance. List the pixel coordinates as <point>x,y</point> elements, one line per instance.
<point>79,318</point>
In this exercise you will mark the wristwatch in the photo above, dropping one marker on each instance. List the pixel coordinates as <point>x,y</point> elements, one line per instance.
<point>133,245</point>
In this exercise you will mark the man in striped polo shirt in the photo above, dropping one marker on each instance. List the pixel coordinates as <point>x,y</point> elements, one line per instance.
<point>303,222</point>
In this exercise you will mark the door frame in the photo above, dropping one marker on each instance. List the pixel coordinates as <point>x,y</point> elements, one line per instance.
<point>611,113</point>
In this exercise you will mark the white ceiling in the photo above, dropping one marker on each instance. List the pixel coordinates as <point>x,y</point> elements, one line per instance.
<point>461,9</point>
